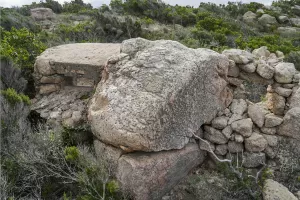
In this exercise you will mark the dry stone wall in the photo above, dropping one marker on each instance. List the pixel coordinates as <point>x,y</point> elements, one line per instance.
<point>253,128</point>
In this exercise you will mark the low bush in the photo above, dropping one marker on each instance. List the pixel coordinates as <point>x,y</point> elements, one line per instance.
<point>13,97</point>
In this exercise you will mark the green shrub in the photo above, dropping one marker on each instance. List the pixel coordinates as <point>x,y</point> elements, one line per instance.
<point>273,42</point>
<point>21,46</point>
<point>71,153</point>
<point>13,97</point>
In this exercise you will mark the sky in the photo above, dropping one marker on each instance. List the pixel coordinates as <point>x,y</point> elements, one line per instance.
<point>98,3</point>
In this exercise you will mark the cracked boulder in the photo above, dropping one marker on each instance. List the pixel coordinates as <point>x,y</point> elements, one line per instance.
<point>156,94</point>
<point>149,176</point>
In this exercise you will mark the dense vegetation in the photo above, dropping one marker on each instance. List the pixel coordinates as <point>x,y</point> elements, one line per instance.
<point>41,163</point>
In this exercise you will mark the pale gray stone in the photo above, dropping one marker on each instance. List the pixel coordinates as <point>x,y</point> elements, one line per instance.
<point>238,56</point>
<point>238,106</point>
<point>42,14</point>
<point>233,70</point>
<point>272,120</point>
<point>283,91</point>
<point>255,143</point>
<point>235,147</point>
<point>271,139</point>
<point>267,19</point>
<point>238,138</point>
<point>249,18</point>
<point>219,122</point>
<point>243,126</point>
<point>227,131</point>
<point>295,99</point>
<point>291,124</point>
<point>275,191</point>
<point>207,146</point>
<point>284,72</point>
<point>252,160</point>
<point>221,149</point>
<point>269,131</point>
<point>261,52</point>
<point>214,135</point>
<point>265,70</point>
<point>249,68</point>
<point>257,115</point>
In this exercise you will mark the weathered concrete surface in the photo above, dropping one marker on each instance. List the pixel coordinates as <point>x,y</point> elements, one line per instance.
<point>158,94</point>
<point>78,65</point>
<point>148,176</point>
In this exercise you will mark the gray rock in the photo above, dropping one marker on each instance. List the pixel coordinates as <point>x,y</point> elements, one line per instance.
<point>234,117</point>
<point>275,191</point>
<point>291,124</point>
<point>261,52</point>
<point>296,78</point>
<point>207,146</point>
<point>235,147</point>
<point>41,14</point>
<point>108,154</point>
<point>243,126</point>
<point>295,21</point>
<point>238,56</point>
<point>269,131</point>
<point>289,31</point>
<point>295,99</point>
<point>156,99</point>
<point>275,103</point>
<point>267,19</point>
<point>238,106</point>
<point>255,143</point>
<point>214,135</point>
<point>257,115</point>
<point>283,19</point>
<point>296,10</point>
<point>238,138</point>
<point>280,55</point>
<point>265,70</point>
<point>283,91</point>
<point>48,88</point>
<point>284,72</point>
<point>227,131</point>
<point>252,160</point>
<point>249,68</point>
<point>152,175</point>
<point>272,120</point>
<point>221,149</point>
<point>272,140</point>
<point>249,18</point>
<point>219,122</point>
<point>233,70</point>
<point>270,152</point>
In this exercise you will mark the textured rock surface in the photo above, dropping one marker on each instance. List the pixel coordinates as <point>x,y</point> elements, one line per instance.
<point>266,19</point>
<point>257,115</point>
<point>214,135</point>
<point>148,176</point>
<point>284,72</point>
<point>291,124</point>
<point>244,127</point>
<point>255,143</point>
<point>275,191</point>
<point>253,159</point>
<point>272,120</point>
<point>159,95</point>
<point>238,56</point>
<point>40,14</point>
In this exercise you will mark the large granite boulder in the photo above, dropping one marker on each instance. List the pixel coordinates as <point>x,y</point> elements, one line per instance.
<point>40,14</point>
<point>156,94</point>
<point>288,31</point>
<point>249,18</point>
<point>267,19</point>
<point>275,191</point>
<point>149,176</point>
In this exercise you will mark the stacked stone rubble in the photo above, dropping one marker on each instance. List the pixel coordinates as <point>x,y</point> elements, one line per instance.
<point>253,128</point>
